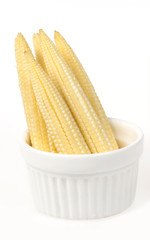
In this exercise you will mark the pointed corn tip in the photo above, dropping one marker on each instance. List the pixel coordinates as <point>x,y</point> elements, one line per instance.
<point>36,36</point>
<point>20,35</point>
<point>19,39</point>
<point>41,31</point>
<point>43,34</point>
<point>56,34</point>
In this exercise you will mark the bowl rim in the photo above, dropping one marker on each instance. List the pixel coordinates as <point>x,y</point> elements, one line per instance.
<point>140,136</point>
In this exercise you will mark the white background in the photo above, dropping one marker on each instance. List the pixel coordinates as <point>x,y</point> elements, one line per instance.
<point>112,40</point>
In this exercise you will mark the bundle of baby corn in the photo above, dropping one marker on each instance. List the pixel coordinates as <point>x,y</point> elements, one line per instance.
<point>63,112</point>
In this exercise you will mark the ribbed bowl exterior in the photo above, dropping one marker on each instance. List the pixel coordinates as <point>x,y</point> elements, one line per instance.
<point>86,186</point>
<point>84,196</point>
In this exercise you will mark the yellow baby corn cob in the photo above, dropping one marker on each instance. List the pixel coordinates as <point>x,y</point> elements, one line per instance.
<point>36,125</point>
<point>85,83</point>
<point>75,97</point>
<point>40,57</point>
<point>65,133</point>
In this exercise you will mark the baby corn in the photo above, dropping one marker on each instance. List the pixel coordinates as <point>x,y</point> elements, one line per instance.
<point>84,114</point>
<point>60,124</point>
<point>82,77</point>
<point>48,66</point>
<point>63,112</point>
<point>36,125</point>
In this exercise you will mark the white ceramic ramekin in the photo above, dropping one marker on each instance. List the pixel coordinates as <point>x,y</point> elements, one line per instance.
<point>86,186</point>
